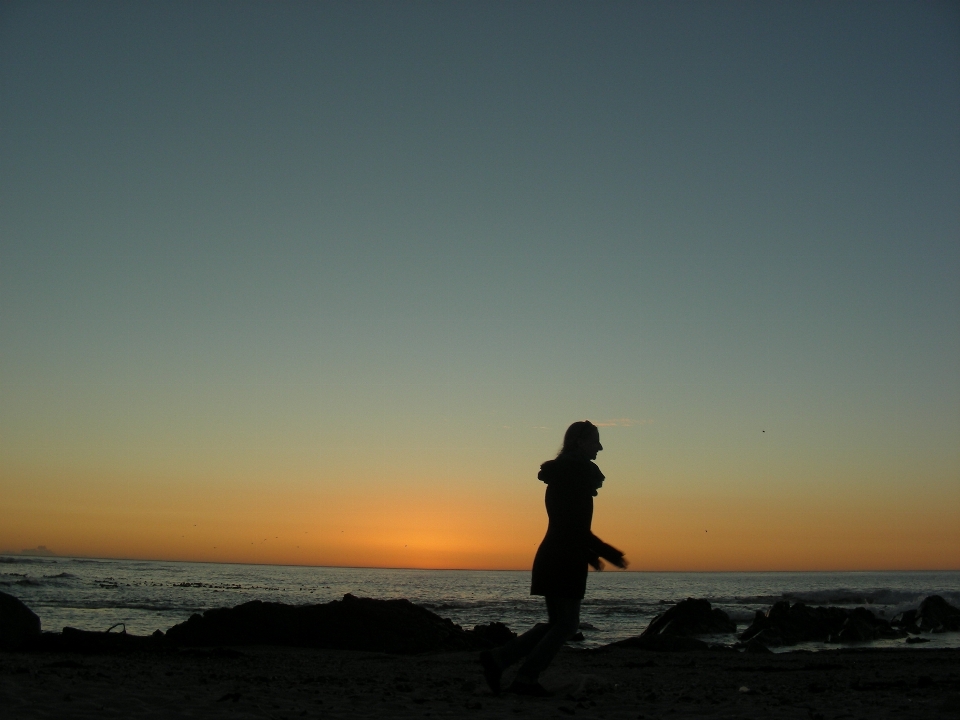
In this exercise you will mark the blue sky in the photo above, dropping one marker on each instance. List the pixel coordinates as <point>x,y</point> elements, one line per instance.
<point>308,245</point>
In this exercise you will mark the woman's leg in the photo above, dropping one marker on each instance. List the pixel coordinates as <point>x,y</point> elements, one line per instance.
<point>520,646</point>
<point>564,616</point>
<point>495,661</point>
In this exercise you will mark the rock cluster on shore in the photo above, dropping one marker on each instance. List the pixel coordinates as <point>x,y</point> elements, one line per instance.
<point>401,627</point>
<point>786,624</point>
<point>934,614</point>
<point>392,626</point>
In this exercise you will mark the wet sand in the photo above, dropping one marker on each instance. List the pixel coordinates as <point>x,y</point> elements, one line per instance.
<point>266,682</point>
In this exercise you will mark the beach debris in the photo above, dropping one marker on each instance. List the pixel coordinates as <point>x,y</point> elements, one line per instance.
<point>19,625</point>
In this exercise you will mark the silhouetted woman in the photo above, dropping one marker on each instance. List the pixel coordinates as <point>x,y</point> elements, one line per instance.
<point>560,566</point>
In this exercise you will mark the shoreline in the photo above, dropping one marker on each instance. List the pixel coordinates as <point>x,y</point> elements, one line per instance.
<point>361,657</point>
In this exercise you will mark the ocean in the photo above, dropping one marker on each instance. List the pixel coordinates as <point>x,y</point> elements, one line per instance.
<point>144,596</point>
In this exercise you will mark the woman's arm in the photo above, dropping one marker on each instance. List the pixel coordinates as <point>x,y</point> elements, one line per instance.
<point>600,549</point>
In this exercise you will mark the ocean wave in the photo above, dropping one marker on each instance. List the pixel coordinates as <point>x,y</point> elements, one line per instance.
<point>25,580</point>
<point>741,616</point>
<point>99,605</point>
<point>838,596</point>
<point>628,611</point>
<point>465,604</point>
<point>13,560</point>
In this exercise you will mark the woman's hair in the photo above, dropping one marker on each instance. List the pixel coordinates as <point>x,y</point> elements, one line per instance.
<point>575,433</point>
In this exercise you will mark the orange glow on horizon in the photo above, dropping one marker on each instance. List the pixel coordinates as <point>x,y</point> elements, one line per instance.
<point>448,526</point>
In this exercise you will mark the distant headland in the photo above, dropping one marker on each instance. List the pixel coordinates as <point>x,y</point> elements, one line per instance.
<point>39,551</point>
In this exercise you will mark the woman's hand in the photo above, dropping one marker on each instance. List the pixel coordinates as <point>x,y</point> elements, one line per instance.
<point>613,556</point>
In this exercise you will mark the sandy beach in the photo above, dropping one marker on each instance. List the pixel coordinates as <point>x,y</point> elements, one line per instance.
<point>269,682</point>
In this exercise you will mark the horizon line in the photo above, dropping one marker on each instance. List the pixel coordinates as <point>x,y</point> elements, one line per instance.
<point>458,569</point>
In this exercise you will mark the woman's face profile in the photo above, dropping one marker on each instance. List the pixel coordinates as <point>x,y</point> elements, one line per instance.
<point>590,446</point>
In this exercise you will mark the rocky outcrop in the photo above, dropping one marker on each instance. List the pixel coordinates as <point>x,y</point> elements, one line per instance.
<point>19,626</point>
<point>786,624</point>
<point>689,618</point>
<point>676,629</point>
<point>391,626</point>
<point>937,615</point>
<point>492,635</point>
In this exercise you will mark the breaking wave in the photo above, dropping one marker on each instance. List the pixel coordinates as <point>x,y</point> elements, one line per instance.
<point>15,560</point>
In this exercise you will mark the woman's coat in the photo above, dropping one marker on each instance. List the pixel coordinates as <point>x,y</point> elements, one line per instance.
<point>560,566</point>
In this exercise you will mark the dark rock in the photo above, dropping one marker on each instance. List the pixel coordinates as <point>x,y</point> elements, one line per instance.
<point>19,626</point>
<point>787,624</point>
<point>935,613</point>
<point>856,629</point>
<point>493,635</point>
<point>906,620</point>
<point>915,640</point>
<point>689,618</point>
<point>392,626</point>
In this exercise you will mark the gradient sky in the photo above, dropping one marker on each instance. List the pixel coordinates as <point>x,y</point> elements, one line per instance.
<point>323,283</point>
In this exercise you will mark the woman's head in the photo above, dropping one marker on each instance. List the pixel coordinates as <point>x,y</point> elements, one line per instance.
<point>582,437</point>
